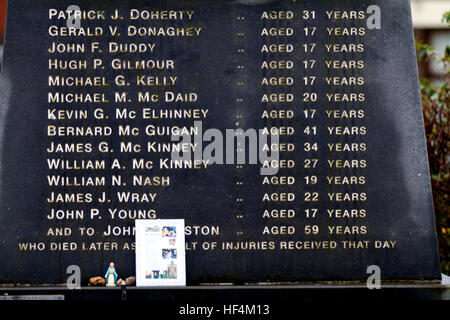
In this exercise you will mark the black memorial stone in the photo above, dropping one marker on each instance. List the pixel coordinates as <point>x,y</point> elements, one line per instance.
<point>353,188</point>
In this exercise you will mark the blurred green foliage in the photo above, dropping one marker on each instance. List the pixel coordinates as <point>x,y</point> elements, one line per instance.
<point>436,111</point>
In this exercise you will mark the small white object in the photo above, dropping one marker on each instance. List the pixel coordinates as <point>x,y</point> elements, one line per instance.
<point>160,252</point>
<point>445,279</point>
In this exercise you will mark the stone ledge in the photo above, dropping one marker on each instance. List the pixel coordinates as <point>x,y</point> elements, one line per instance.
<point>265,293</point>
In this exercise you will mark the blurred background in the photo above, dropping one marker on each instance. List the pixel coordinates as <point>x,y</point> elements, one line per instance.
<point>431,28</point>
<point>431,19</point>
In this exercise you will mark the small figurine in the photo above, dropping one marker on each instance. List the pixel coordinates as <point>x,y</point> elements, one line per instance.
<point>111,276</point>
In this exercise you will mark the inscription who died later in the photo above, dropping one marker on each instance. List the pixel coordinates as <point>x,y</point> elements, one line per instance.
<point>287,134</point>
